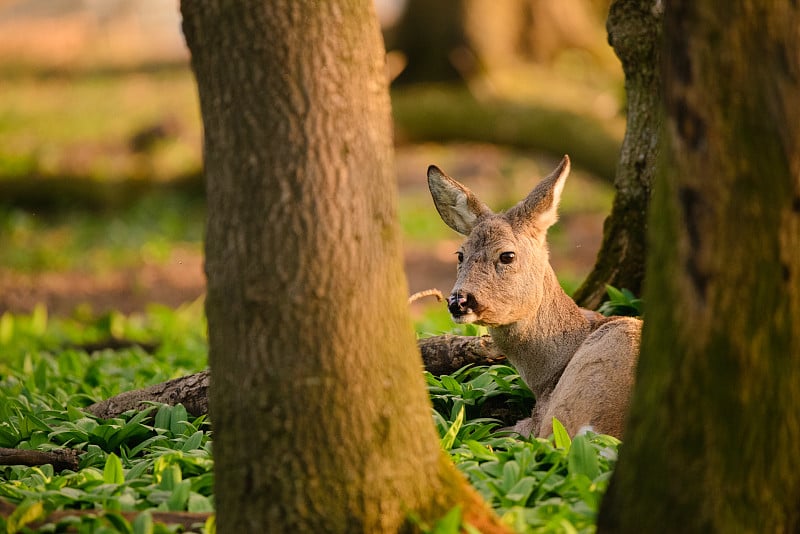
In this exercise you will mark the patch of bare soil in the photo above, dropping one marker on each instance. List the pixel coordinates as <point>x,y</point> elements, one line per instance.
<point>172,283</point>
<point>181,279</point>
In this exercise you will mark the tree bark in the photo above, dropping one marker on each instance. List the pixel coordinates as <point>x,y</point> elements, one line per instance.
<point>634,31</point>
<point>715,418</point>
<point>60,459</point>
<point>190,390</point>
<point>321,418</point>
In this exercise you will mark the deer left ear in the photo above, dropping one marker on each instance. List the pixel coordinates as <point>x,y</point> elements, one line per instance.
<point>539,209</point>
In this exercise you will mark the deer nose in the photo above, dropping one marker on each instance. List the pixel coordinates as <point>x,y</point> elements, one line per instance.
<point>461,303</point>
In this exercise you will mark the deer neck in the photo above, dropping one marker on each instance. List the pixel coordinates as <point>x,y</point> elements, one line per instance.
<point>541,345</point>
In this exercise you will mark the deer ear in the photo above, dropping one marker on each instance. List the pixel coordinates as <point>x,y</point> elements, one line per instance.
<point>540,208</point>
<point>459,208</point>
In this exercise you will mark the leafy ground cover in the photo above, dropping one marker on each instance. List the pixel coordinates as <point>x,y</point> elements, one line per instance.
<point>160,459</point>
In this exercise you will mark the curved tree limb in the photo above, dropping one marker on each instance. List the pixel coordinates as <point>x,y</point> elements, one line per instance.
<point>190,390</point>
<point>440,355</point>
<point>60,459</point>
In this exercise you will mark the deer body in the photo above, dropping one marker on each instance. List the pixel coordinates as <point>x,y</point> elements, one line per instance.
<point>579,364</point>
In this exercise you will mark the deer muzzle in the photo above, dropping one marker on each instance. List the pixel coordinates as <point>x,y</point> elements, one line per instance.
<point>462,306</point>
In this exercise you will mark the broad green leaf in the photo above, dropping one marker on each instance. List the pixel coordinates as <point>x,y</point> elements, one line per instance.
<point>39,319</point>
<point>26,512</point>
<point>615,294</point>
<point>40,376</point>
<point>112,472</point>
<point>6,328</point>
<point>210,526</point>
<point>193,442</point>
<point>451,384</point>
<point>520,492</point>
<point>582,458</point>
<point>561,435</point>
<point>163,416</point>
<point>171,477</point>
<point>135,472</point>
<point>199,503</point>
<point>479,451</point>
<point>180,496</point>
<point>450,436</point>
<point>143,523</point>
<point>450,523</point>
<point>177,423</point>
<point>511,475</point>
<point>118,522</point>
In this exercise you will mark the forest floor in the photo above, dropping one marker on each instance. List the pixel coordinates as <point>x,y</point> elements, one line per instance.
<point>429,254</point>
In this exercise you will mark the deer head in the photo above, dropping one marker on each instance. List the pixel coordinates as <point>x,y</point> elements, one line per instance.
<point>503,265</point>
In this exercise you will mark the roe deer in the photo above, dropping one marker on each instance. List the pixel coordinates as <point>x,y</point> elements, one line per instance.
<point>579,364</point>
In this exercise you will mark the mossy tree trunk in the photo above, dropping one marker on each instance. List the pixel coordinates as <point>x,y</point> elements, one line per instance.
<point>634,31</point>
<point>713,434</point>
<point>321,418</point>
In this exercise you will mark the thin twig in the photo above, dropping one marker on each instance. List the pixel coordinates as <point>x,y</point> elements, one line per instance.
<point>427,293</point>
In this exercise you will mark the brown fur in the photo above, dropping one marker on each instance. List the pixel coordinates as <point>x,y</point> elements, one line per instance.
<point>579,365</point>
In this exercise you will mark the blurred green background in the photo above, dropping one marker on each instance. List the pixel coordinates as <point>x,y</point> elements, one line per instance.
<point>101,196</point>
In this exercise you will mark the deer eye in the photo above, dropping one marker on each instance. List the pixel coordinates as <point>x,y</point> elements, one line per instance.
<point>460,256</point>
<point>507,257</point>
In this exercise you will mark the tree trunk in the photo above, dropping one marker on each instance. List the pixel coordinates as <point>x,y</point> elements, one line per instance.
<point>456,39</point>
<point>715,419</point>
<point>321,418</point>
<point>634,31</point>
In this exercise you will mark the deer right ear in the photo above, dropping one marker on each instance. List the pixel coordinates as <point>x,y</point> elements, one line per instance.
<point>459,208</point>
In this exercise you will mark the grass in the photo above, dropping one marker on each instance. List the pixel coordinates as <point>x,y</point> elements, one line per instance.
<point>160,460</point>
<point>84,125</point>
<point>146,231</point>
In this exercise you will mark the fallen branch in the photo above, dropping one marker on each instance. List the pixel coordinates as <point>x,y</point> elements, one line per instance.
<point>444,355</point>
<point>440,354</point>
<point>191,391</point>
<point>60,459</point>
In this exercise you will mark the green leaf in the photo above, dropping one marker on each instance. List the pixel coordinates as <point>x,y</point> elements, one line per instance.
<point>210,526</point>
<point>520,491</point>
<point>582,458</point>
<point>615,295</point>
<point>143,523</point>
<point>450,436</point>
<point>511,475</point>
<point>136,471</point>
<point>39,319</point>
<point>26,512</point>
<point>194,442</point>
<point>199,503</point>
<point>479,451</point>
<point>163,416</point>
<point>40,375</point>
<point>118,522</point>
<point>112,472</point>
<point>180,496</point>
<point>451,384</point>
<point>171,476</point>
<point>6,328</point>
<point>450,523</point>
<point>177,423</point>
<point>561,435</point>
